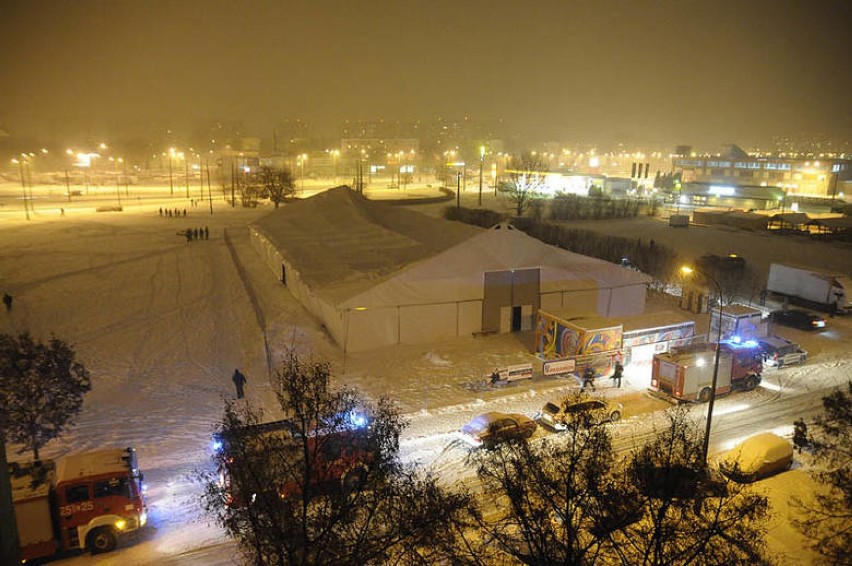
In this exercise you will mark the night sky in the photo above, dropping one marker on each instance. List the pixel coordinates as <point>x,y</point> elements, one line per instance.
<point>703,73</point>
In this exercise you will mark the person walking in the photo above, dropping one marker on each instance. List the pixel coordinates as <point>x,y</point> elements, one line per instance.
<point>495,376</point>
<point>616,375</point>
<point>239,381</point>
<point>588,378</point>
<point>7,300</point>
<point>800,435</point>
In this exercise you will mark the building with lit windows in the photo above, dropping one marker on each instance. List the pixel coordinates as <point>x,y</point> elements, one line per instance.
<point>735,174</point>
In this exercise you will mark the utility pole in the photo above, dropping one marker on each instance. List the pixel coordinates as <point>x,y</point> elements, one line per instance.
<point>186,174</point>
<point>458,192</point>
<point>10,550</point>
<point>209,190</point>
<point>481,163</point>
<point>24,188</point>
<point>171,181</point>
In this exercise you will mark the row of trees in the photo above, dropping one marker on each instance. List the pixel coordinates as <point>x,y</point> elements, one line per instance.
<point>275,183</point>
<point>567,499</point>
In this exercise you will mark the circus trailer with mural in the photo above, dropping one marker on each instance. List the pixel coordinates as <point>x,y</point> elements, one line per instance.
<point>588,341</point>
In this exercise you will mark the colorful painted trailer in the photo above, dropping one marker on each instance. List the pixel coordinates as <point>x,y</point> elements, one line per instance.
<point>558,337</point>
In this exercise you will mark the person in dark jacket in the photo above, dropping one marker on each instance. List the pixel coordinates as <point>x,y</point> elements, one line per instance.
<point>588,378</point>
<point>7,300</point>
<point>239,381</point>
<point>617,373</point>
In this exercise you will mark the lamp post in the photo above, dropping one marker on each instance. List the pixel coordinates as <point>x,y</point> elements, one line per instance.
<point>171,179</point>
<point>20,163</point>
<point>481,163</point>
<point>706,446</point>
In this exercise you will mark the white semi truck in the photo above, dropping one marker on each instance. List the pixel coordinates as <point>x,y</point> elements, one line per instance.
<point>822,289</point>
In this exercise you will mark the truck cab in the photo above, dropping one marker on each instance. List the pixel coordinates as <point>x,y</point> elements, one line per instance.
<point>81,501</point>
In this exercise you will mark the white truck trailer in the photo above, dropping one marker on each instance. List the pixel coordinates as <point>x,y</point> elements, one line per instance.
<point>822,289</point>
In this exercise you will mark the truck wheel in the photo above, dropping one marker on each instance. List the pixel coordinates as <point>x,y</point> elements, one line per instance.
<point>751,382</point>
<point>704,396</point>
<point>102,540</point>
<point>780,364</point>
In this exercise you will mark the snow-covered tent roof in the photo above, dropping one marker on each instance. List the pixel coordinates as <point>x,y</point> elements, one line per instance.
<point>344,244</point>
<point>358,253</point>
<point>457,272</point>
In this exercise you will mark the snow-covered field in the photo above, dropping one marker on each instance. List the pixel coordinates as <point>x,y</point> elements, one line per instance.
<point>161,323</point>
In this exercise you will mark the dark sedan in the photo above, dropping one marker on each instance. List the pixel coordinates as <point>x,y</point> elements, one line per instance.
<point>798,319</point>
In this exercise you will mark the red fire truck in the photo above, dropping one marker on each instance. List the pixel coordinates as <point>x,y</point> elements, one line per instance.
<point>85,500</point>
<point>687,375</point>
<point>338,457</point>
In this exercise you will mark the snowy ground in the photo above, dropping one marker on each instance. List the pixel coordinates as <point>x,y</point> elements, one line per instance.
<point>161,323</point>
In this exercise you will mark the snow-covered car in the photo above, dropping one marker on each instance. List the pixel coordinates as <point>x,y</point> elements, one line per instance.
<point>559,414</point>
<point>490,429</point>
<point>757,457</point>
<point>781,352</point>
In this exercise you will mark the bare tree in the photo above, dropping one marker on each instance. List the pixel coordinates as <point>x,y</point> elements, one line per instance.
<point>525,179</point>
<point>549,503</point>
<point>691,515</point>
<point>827,521</point>
<point>278,184</point>
<point>41,389</point>
<point>325,486</point>
<point>571,501</point>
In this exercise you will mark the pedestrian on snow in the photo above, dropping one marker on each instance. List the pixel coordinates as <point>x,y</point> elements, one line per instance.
<point>800,435</point>
<point>495,376</point>
<point>195,233</point>
<point>588,378</point>
<point>188,235</point>
<point>184,213</point>
<point>206,233</point>
<point>161,212</point>
<point>61,212</point>
<point>7,300</point>
<point>239,381</point>
<point>616,375</point>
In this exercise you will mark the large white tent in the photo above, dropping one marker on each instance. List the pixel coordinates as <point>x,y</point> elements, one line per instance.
<point>378,274</point>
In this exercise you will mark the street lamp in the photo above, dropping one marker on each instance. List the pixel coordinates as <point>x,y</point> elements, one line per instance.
<point>706,446</point>
<point>303,158</point>
<point>20,164</point>
<point>171,179</point>
<point>481,162</point>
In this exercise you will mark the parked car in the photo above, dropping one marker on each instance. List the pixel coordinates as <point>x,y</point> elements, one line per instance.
<point>757,457</point>
<point>781,352</point>
<point>720,263</point>
<point>798,319</point>
<point>490,429</point>
<point>558,415</point>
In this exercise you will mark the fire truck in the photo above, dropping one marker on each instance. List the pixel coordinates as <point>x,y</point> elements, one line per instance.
<point>81,501</point>
<point>340,456</point>
<point>687,374</point>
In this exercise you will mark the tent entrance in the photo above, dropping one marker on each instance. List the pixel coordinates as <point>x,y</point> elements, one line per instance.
<point>510,299</point>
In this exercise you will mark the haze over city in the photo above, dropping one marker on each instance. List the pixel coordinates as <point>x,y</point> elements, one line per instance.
<point>700,73</point>
<point>477,282</point>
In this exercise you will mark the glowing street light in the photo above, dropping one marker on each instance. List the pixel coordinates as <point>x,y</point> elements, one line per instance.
<point>706,446</point>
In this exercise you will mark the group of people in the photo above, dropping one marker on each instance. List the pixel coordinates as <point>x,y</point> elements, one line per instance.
<point>176,213</point>
<point>197,234</point>
<point>589,377</point>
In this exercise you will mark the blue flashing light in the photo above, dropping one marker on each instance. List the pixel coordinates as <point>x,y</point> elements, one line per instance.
<point>735,339</point>
<point>217,445</point>
<point>357,420</point>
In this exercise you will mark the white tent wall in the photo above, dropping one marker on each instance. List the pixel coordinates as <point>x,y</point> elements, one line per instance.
<point>327,314</point>
<point>367,328</point>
